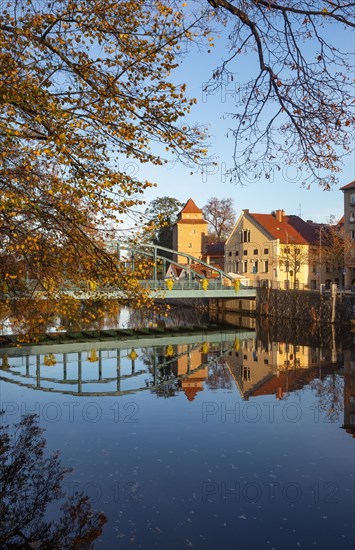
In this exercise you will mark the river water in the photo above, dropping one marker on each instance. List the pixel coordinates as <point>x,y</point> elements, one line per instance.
<point>227,439</point>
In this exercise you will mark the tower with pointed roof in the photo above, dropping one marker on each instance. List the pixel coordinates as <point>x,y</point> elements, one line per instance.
<point>190,232</point>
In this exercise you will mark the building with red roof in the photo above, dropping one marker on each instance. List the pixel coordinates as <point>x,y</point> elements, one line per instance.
<point>274,249</point>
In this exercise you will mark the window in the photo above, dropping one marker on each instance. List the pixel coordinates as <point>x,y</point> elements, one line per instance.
<point>255,251</point>
<point>237,267</point>
<point>298,251</point>
<point>245,252</point>
<point>352,234</point>
<point>246,374</point>
<point>190,245</point>
<point>245,267</point>
<point>352,198</point>
<point>255,267</point>
<point>245,236</point>
<point>237,253</point>
<point>229,253</point>
<point>266,251</point>
<point>266,266</point>
<point>266,361</point>
<point>287,250</point>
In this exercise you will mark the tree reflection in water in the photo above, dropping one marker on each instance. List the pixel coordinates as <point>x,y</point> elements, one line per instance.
<point>29,482</point>
<point>330,394</point>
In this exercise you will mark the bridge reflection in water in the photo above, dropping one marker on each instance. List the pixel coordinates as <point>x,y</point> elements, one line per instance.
<point>118,368</point>
<point>169,364</point>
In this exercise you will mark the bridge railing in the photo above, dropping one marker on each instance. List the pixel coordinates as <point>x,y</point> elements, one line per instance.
<point>181,284</point>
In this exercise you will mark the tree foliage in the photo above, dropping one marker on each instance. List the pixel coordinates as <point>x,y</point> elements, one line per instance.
<point>29,483</point>
<point>293,257</point>
<point>84,87</point>
<point>297,107</point>
<point>161,215</point>
<point>335,246</point>
<point>220,216</point>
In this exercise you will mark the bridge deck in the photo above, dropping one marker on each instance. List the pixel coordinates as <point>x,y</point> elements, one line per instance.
<point>181,289</point>
<point>158,290</point>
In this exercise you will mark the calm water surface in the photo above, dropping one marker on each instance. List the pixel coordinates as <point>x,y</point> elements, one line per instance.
<point>199,441</point>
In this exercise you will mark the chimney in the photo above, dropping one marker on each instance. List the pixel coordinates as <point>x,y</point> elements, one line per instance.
<point>279,214</point>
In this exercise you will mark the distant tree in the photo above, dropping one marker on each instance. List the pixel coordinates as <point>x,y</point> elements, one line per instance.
<point>161,215</point>
<point>219,376</point>
<point>220,216</point>
<point>30,482</point>
<point>293,257</point>
<point>334,246</point>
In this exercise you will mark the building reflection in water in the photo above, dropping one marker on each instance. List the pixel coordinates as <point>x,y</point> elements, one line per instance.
<point>257,366</point>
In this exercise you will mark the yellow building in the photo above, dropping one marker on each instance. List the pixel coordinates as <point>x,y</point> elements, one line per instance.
<point>190,232</point>
<point>272,250</point>
<point>278,368</point>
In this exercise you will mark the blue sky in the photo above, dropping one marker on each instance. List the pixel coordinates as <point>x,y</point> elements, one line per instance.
<point>282,191</point>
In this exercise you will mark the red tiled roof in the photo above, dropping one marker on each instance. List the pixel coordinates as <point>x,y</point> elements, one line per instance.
<point>191,392</point>
<point>191,208</point>
<point>350,185</point>
<point>287,381</point>
<point>291,230</point>
<point>177,270</point>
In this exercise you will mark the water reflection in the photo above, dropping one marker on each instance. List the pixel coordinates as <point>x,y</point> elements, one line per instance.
<point>169,365</point>
<point>32,482</point>
<point>158,365</point>
<point>36,318</point>
<point>226,439</point>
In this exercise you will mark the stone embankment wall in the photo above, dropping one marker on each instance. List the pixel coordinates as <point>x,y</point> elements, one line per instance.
<point>306,306</point>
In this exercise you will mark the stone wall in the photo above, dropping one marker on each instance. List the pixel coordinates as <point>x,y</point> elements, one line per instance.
<point>306,306</point>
